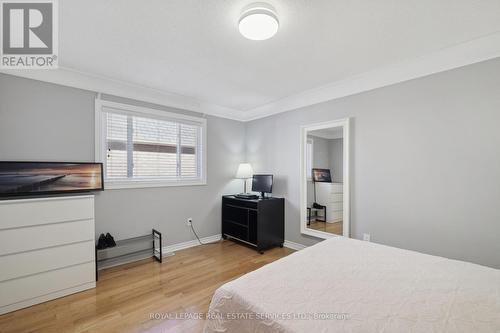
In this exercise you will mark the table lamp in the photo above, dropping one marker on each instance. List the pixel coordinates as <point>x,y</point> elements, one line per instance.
<point>245,171</point>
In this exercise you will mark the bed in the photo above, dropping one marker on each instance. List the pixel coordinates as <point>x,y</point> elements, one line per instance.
<point>346,285</point>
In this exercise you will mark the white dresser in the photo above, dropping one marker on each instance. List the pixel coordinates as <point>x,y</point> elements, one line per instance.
<point>47,249</point>
<point>331,195</point>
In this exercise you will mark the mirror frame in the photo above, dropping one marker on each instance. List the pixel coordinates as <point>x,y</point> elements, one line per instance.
<point>346,219</point>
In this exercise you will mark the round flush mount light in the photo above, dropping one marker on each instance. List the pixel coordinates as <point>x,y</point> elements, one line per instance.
<point>258,21</point>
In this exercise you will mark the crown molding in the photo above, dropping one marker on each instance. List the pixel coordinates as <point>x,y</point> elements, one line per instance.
<point>110,86</point>
<point>467,53</point>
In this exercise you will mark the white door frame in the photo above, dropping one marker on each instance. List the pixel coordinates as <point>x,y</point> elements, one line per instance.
<point>344,123</point>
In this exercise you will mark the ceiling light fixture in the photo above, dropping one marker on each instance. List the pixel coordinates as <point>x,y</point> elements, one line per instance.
<point>258,21</point>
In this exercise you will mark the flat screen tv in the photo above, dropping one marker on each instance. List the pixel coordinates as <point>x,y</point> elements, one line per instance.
<point>44,178</point>
<point>321,175</point>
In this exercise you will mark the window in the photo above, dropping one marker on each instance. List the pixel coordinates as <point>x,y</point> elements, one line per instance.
<point>144,147</point>
<point>309,158</point>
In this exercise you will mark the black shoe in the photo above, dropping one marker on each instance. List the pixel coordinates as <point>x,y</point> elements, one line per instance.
<point>317,206</point>
<point>110,241</point>
<point>101,243</point>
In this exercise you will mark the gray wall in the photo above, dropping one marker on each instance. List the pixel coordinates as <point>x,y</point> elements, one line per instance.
<point>425,162</point>
<point>336,147</point>
<point>47,122</point>
<point>321,152</point>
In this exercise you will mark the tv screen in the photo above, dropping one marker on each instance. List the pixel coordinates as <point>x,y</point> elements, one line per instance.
<point>41,178</point>
<point>322,175</point>
<point>262,183</point>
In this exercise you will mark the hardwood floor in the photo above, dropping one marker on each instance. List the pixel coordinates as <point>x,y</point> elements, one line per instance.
<point>333,228</point>
<point>127,296</point>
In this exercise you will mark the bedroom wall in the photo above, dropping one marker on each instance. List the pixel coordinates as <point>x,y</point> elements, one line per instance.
<point>337,159</point>
<point>425,162</point>
<point>47,122</point>
<point>321,152</point>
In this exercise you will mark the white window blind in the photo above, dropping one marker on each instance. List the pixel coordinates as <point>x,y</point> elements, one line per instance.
<point>150,148</point>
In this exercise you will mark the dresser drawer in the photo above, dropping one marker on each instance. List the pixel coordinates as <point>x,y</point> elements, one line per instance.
<point>336,197</point>
<point>28,287</point>
<point>332,206</point>
<point>33,262</point>
<point>42,236</point>
<point>337,188</point>
<point>31,212</point>
<point>329,188</point>
<point>334,200</point>
<point>334,215</point>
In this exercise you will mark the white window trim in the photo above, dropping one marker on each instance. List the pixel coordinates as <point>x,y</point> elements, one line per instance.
<point>100,149</point>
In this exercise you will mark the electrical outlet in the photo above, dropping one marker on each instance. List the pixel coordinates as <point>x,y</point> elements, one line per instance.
<point>366,237</point>
<point>189,221</point>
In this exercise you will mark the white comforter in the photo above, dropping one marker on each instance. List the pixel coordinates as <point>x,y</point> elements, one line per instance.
<point>356,286</point>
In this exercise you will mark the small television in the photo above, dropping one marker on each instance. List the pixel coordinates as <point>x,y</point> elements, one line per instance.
<point>45,178</point>
<point>262,184</point>
<point>321,175</point>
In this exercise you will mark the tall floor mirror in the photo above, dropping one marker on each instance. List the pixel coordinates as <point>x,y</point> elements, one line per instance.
<point>324,190</point>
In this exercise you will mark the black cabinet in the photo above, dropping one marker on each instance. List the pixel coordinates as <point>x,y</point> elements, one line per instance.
<point>258,222</point>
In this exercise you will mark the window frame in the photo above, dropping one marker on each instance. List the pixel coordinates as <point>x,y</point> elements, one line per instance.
<point>100,144</point>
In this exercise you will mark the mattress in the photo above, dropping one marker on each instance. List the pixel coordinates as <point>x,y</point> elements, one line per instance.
<point>346,285</point>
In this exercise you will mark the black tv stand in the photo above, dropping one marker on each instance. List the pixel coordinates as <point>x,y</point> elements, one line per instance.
<point>256,222</point>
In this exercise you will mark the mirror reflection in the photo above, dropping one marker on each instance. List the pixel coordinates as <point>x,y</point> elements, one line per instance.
<point>324,170</point>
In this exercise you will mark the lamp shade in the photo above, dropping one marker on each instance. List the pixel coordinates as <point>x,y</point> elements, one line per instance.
<point>244,171</point>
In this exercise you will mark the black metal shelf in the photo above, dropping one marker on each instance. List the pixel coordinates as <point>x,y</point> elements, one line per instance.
<point>129,250</point>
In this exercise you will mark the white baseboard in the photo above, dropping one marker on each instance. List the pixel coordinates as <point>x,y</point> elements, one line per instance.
<point>293,245</point>
<point>170,249</point>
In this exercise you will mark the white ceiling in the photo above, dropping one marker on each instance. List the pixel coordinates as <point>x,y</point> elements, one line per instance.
<point>192,48</point>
